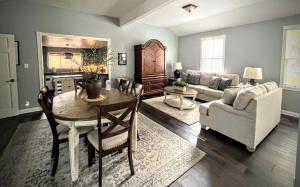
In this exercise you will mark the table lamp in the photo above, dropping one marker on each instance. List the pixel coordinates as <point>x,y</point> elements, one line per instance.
<point>177,66</point>
<point>253,74</point>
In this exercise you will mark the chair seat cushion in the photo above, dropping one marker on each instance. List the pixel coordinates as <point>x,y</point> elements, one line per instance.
<point>63,131</point>
<point>108,143</point>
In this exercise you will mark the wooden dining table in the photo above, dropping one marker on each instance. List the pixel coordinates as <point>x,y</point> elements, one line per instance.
<point>74,111</point>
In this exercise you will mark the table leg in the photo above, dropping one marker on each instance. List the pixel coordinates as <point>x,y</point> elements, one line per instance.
<point>181,102</point>
<point>134,132</point>
<point>74,151</point>
<point>165,94</point>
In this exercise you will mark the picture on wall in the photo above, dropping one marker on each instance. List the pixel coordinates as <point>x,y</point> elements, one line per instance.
<point>122,59</point>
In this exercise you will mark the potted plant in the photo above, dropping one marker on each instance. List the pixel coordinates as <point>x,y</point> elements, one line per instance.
<point>180,85</point>
<point>94,63</point>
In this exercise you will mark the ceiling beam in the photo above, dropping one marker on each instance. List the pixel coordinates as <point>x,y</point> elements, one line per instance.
<point>144,9</point>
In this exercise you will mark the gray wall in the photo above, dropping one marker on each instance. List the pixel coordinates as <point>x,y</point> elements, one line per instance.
<point>25,19</point>
<point>256,44</point>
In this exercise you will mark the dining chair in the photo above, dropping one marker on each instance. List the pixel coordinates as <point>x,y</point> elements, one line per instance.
<point>137,91</point>
<point>124,85</point>
<point>59,132</point>
<point>116,136</point>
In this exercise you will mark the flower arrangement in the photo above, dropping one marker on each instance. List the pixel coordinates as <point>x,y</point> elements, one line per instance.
<point>180,85</point>
<point>96,61</point>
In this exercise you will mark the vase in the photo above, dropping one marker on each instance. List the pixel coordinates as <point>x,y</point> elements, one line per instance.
<point>183,89</point>
<point>93,88</point>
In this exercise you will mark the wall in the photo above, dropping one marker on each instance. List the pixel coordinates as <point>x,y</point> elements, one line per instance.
<point>25,19</point>
<point>258,44</point>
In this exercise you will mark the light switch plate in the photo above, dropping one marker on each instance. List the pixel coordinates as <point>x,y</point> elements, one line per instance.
<point>26,66</point>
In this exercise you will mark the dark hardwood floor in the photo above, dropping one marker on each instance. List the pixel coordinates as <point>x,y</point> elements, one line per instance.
<point>227,162</point>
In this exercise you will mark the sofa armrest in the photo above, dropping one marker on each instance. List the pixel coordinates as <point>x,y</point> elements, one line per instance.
<point>227,108</point>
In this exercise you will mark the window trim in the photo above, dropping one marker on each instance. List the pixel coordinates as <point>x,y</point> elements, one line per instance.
<point>283,59</point>
<point>224,45</point>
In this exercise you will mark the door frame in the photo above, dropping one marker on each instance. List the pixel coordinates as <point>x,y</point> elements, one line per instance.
<point>39,36</point>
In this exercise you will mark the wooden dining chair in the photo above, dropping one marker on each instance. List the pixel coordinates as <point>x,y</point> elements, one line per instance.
<point>124,85</point>
<point>116,136</point>
<point>59,132</point>
<point>137,91</point>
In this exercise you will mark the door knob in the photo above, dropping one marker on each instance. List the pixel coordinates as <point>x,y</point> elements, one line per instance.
<point>11,80</point>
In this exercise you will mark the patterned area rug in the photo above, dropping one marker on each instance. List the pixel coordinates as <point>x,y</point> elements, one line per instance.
<point>160,159</point>
<point>187,116</point>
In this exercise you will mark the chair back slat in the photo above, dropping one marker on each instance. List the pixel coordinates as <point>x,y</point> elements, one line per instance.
<point>137,90</point>
<point>45,100</point>
<point>124,85</point>
<point>125,119</point>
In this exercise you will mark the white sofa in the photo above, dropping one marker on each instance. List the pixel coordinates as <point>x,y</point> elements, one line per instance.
<point>204,92</point>
<point>249,126</point>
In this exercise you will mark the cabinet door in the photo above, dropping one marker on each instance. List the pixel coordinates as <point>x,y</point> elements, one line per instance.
<point>149,62</point>
<point>160,61</point>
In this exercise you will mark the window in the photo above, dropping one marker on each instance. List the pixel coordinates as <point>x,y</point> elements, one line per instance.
<point>290,71</point>
<point>57,60</point>
<point>212,54</point>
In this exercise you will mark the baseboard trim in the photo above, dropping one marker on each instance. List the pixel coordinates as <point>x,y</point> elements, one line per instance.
<point>289,113</point>
<point>29,110</point>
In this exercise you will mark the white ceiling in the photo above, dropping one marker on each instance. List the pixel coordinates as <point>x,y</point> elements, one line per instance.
<point>173,14</point>
<point>210,14</point>
<point>235,15</point>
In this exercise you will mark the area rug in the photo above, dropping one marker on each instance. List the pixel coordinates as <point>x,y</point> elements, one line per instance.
<point>187,116</point>
<point>161,158</point>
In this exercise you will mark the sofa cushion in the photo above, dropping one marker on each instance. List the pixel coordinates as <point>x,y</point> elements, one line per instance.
<point>234,77</point>
<point>244,96</point>
<point>205,78</point>
<point>193,78</point>
<point>214,82</point>
<point>270,86</point>
<point>211,92</point>
<point>198,88</point>
<point>184,77</point>
<point>229,95</point>
<point>224,84</point>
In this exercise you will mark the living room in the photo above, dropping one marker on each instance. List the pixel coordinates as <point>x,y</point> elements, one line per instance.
<point>188,130</point>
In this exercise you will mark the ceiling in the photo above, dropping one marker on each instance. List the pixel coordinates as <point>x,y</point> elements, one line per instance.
<point>210,14</point>
<point>53,41</point>
<point>217,14</point>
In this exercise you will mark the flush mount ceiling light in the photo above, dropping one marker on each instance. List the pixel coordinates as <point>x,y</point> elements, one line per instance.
<point>189,7</point>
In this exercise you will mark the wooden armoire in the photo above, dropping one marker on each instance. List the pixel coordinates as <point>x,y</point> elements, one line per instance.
<point>150,67</point>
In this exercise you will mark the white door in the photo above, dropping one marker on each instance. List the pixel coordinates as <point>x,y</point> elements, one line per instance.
<point>8,77</point>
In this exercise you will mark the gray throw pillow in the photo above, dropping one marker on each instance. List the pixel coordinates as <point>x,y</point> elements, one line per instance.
<point>224,83</point>
<point>194,79</point>
<point>214,82</point>
<point>184,77</point>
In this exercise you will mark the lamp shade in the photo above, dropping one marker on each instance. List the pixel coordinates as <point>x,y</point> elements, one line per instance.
<point>177,65</point>
<point>253,73</point>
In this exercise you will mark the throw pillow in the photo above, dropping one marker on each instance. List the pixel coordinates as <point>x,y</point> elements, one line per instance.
<point>229,95</point>
<point>270,86</point>
<point>205,78</point>
<point>224,83</point>
<point>193,79</point>
<point>234,77</point>
<point>214,82</point>
<point>245,96</point>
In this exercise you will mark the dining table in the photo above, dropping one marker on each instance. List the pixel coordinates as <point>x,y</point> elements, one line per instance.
<point>74,110</point>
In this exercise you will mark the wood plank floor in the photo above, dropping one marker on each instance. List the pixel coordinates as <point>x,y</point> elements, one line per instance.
<point>227,162</point>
